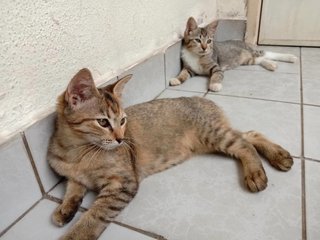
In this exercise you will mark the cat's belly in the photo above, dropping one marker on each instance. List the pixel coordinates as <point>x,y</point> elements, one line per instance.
<point>192,61</point>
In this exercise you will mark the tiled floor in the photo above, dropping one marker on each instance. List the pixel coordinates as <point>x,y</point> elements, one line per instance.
<point>204,198</point>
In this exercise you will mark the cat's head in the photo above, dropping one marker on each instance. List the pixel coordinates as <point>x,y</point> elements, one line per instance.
<point>93,115</point>
<point>199,40</point>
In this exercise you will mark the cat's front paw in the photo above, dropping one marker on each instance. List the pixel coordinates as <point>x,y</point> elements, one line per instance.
<point>256,180</point>
<point>175,82</point>
<point>63,214</point>
<point>215,87</point>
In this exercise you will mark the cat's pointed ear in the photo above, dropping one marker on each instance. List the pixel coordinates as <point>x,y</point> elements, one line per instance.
<point>212,27</point>
<point>80,88</point>
<point>118,86</point>
<point>191,25</point>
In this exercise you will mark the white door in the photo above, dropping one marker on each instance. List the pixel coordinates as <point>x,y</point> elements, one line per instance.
<point>290,22</point>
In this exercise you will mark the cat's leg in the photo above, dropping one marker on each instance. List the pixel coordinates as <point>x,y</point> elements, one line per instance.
<point>232,143</point>
<point>70,204</point>
<point>108,204</point>
<point>283,57</point>
<point>216,77</point>
<point>275,154</point>
<point>266,63</point>
<point>184,75</point>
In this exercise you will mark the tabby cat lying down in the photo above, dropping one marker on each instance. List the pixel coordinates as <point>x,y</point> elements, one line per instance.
<point>98,145</point>
<point>203,56</point>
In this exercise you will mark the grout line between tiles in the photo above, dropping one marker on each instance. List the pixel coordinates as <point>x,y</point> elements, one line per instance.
<point>311,105</point>
<point>253,98</point>
<point>182,90</point>
<point>303,174</point>
<point>19,218</point>
<point>312,159</point>
<point>150,234</point>
<point>262,70</point>
<point>35,170</point>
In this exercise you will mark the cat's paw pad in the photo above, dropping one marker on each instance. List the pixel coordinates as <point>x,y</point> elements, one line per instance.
<point>282,160</point>
<point>215,87</point>
<point>292,58</point>
<point>256,180</point>
<point>62,215</point>
<point>175,82</point>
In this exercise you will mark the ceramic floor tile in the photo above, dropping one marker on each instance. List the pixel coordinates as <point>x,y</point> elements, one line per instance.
<point>280,122</point>
<point>311,75</point>
<point>147,82</point>
<point>313,199</point>
<point>37,225</point>
<point>59,192</point>
<point>310,63</point>
<point>168,93</point>
<point>38,136</point>
<point>265,85</point>
<point>312,132</point>
<point>172,61</point>
<point>194,84</point>
<point>204,198</point>
<point>19,188</point>
<point>283,67</point>
<point>311,91</point>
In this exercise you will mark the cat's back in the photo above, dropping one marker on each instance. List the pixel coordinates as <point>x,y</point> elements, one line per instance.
<point>166,131</point>
<point>168,108</point>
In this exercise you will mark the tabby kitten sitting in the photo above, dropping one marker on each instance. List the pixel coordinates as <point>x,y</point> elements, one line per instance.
<point>203,56</point>
<point>99,146</point>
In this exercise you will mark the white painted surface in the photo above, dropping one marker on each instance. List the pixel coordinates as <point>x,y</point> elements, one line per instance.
<point>232,9</point>
<point>43,44</point>
<point>290,22</point>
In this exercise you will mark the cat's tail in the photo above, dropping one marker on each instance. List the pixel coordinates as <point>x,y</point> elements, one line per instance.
<point>282,57</point>
<point>265,59</point>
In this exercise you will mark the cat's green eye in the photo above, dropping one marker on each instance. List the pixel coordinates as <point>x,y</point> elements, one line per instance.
<point>198,40</point>
<point>123,121</point>
<point>209,41</point>
<point>104,122</point>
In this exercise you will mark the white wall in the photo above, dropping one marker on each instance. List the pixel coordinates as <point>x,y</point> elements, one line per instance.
<point>232,9</point>
<point>43,43</point>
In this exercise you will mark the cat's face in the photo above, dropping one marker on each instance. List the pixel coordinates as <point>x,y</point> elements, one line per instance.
<point>199,40</point>
<point>95,115</point>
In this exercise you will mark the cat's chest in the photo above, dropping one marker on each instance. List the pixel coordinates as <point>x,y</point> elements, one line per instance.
<point>192,61</point>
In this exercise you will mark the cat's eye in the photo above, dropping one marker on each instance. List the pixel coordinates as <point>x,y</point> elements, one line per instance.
<point>123,121</point>
<point>209,41</point>
<point>197,40</point>
<point>104,122</point>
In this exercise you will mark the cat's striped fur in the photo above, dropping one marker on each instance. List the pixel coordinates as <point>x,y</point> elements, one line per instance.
<point>99,146</point>
<point>201,55</point>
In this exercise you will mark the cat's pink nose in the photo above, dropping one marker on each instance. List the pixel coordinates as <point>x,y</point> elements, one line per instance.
<point>204,46</point>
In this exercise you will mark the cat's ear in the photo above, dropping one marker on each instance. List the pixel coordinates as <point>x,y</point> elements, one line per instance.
<point>118,86</point>
<point>80,88</point>
<point>191,25</point>
<point>212,27</point>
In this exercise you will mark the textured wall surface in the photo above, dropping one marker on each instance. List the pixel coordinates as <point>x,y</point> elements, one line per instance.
<point>232,9</point>
<point>43,43</point>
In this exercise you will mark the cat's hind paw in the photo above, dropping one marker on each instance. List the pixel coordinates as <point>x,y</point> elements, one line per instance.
<point>292,58</point>
<point>175,82</point>
<point>215,87</point>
